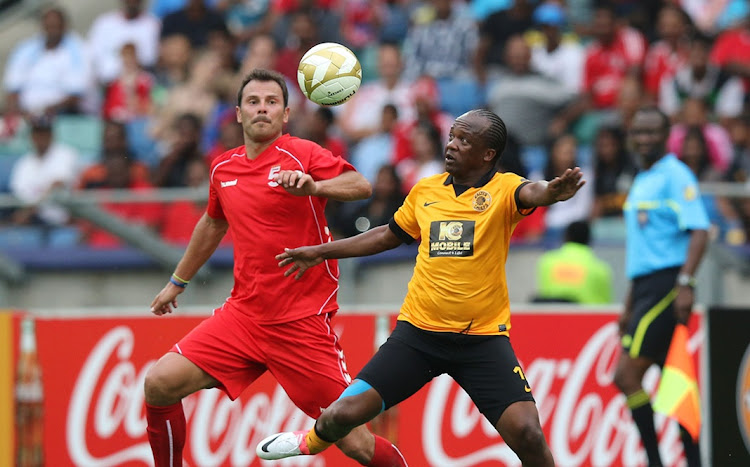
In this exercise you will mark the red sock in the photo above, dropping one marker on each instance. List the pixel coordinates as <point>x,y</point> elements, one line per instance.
<point>386,454</point>
<point>166,434</point>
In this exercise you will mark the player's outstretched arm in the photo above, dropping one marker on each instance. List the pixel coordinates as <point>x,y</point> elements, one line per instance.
<point>368,243</point>
<point>206,236</point>
<point>560,188</point>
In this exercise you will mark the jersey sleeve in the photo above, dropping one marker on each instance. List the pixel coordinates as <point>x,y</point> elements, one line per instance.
<point>405,218</point>
<point>691,212</point>
<point>514,184</point>
<point>323,165</point>
<point>214,209</point>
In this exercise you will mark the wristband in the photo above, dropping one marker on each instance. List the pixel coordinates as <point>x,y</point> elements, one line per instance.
<point>180,278</point>
<point>179,284</point>
<point>686,280</point>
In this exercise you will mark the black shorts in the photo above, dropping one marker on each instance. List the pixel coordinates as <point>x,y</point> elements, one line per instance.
<point>652,321</point>
<point>484,366</point>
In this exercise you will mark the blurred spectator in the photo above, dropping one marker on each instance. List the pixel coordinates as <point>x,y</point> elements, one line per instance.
<point>614,171</point>
<point>355,218</point>
<point>48,73</point>
<point>246,19</point>
<point>711,16</point>
<point>426,101</point>
<point>197,96</point>
<point>196,21</point>
<point>721,212</point>
<point>180,217</point>
<point>173,67</point>
<point>616,53</point>
<point>427,158</point>
<point>494,31</point>
<point>701,79</point>
<point>47,167</point>
<point>573,273</point>
<point>670,52</point>
<point>563,156</point>
<point>361,117</point>
<point>695,115</point>
<point>392,19</point>
<point>172,170</point>
<point>318,125</point>
<point>374,151</point>
<point>731,50</point>
<point>110,31</point>
<point>527,101</point>
<point>303,35</point>
<point>630,97</point>
<point>230,137</point>
<point>118,171</point>
<point>323,13</point>
<point>556,58</point>
<point>114,137</point>
<point>739,172</point>
<point>358,25</point>
<point>129,96</point>
<point>450,57</point>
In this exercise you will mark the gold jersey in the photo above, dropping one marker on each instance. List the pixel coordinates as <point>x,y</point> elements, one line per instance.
<point>459,279</point>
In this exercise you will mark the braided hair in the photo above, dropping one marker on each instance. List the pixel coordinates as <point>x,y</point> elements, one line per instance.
<point>496,135</point>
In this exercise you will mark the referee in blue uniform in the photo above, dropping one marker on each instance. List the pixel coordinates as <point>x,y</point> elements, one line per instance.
<point>667,231</point>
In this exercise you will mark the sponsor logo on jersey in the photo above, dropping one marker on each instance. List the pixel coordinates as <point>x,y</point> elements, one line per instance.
<point>451,238</point>
<point>482,200</point>
<point>229,183</point>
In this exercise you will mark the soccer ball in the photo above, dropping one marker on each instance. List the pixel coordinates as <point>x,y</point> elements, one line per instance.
<point>329,74</point>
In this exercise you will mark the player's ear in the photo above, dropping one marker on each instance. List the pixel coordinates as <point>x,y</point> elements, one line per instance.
<point>489,154</point>
<point>238,113</point>
<point>286,115</point>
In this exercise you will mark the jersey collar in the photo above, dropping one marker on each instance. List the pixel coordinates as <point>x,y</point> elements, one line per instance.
<point>480,183</point>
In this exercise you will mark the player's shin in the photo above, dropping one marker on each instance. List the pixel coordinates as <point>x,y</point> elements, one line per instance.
<point>166,433</point>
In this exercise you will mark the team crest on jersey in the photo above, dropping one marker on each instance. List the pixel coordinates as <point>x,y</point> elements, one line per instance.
<point>482,200</point>
<point>451,238</point>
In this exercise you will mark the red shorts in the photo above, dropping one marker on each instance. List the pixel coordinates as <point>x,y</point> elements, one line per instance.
<point>303,355</point>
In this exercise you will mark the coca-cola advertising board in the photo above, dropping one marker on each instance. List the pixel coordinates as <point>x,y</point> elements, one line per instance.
<point>93,372</point>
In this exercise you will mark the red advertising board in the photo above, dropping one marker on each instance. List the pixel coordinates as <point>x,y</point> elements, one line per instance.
<point>93,373</point>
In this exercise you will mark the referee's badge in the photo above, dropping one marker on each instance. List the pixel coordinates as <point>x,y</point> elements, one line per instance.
<point>642,217</point>
<point>482,200</point>
<point>690,193</point>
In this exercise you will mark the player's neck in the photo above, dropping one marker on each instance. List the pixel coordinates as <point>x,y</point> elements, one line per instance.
<point>254,148</point>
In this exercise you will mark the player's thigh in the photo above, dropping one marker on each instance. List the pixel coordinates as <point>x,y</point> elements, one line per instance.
<point>399,369</point>
<point>174,376</point>
<point>489,372</point>
<point>652,323</point>
<point>307,360</point>
<point>225,346</point>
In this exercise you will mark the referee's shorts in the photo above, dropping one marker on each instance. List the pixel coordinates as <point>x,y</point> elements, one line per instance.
<point>652,321</point>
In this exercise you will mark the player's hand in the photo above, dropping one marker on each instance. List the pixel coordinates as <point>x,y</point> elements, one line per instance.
<point>566,185</point>
<point>301,260</point>
<point>166,299</point>
<point>683,304</point>
<point>296,182</point>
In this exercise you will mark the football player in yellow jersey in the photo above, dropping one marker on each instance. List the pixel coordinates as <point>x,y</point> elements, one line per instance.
<point>456,317</point>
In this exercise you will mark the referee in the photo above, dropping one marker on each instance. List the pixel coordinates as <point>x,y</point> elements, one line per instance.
<point>666,225</point>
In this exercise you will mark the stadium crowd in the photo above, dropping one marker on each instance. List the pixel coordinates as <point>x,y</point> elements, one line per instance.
<point>152,86</point>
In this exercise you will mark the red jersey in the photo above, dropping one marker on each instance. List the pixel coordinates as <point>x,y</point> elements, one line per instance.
<point>606,67</point>
<point>732,46</point>
<point>662,62</point>
<point>265,219</point>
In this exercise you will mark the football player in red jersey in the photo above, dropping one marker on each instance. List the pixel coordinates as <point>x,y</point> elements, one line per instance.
<point>273,192</point>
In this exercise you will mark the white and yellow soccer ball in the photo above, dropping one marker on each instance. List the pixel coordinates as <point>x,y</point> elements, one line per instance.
<point>329,74</point>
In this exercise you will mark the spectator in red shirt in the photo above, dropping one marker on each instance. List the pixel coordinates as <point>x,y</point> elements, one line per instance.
<point>118,171</point>
<point>732,51</point>
<point>129,95</point>
<point>616,53</point>
<point>669,53</point>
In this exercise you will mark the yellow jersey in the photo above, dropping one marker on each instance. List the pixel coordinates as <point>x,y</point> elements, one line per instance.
<point>459,278</point>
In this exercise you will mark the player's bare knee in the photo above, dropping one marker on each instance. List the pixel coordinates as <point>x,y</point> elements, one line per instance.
<point>348,412</point>
<point>625,381</point>
<point>531,438</point>
<point>157,388</point>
